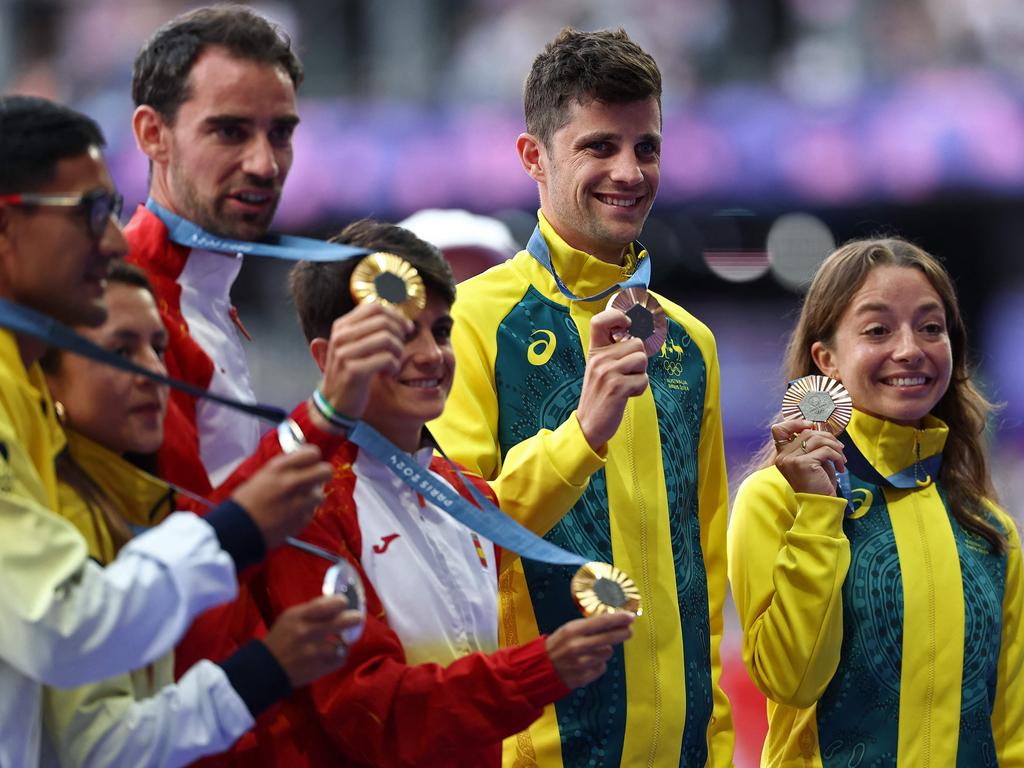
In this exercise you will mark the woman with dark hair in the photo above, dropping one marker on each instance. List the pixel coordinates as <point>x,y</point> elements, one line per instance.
<point>878,584</point>
<point>111,416</point>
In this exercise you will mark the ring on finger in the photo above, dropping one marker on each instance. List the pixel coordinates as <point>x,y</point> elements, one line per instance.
<point>780,444</point>
<point>803,445</point>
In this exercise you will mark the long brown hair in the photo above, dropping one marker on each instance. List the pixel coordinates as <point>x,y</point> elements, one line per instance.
<point>965,473</point>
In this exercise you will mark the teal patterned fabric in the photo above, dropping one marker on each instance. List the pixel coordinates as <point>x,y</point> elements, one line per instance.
<point>533,397</point>
<point>858,715</point>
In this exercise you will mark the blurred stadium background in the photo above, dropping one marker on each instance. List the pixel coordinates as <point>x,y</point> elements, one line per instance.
<point>790,125</point>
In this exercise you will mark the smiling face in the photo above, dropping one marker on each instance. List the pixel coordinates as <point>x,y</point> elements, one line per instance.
<point>50,259</point>
<point>223,161</point>
<point>117,409</point>
<point>401,404</point>
<point>599,173</point>
<point>891,348</point>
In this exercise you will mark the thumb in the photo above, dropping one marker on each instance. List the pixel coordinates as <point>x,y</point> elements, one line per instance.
<point>607,327</point>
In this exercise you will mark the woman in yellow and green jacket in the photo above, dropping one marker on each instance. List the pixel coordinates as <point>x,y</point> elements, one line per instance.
<point>877,582</point>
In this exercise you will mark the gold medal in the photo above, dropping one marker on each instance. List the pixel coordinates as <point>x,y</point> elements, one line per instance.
<point>819,399</point>
<point>390,280</point>
<point>601,588</point>
<point>646,315</point>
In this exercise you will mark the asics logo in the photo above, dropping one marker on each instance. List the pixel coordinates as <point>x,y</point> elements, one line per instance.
<point>540,351</point>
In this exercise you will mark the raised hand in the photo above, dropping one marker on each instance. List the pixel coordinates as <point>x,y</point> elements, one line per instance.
<point>615,372</point>
<point>365,342</point>
<point>580,649</point>
<point>807,458</point>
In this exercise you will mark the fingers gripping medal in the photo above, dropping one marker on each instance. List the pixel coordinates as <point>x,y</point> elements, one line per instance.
<point>390,280</point>
<point>646,315</point>
<point>341,578</point>
<point>600,588</point>
<point>821,400</point>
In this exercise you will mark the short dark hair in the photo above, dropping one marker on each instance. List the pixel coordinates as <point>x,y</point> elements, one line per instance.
<point>320,289</point>
<point>581,67</point>
<point>162,67</point>
<point>35,134</point>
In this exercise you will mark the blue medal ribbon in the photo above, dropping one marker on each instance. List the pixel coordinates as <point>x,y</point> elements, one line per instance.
<point>907,478</point>
<point>489,521</point>
<point>287,247</point>
<point>486,519</point>
<point>538,248</point>
<point>29,322</point>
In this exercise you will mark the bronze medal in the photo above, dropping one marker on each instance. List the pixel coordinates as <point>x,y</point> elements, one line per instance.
<point>645,314</point>
<point>601,588</point>
<point>390,280</point>
<point>819,399</point>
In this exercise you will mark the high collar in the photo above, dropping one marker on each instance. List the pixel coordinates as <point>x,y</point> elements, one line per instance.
<point>141,498</point>
<point>215,273</point>
<point>891,447</point>
<point>583,273</point>
<point>32,383</point>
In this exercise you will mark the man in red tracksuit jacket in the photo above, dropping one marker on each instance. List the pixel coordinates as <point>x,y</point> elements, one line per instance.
<point>215,108</point>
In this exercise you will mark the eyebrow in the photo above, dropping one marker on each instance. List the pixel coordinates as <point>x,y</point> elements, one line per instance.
<point>216,120</point>
<point>126,334</point>
<point>863,309</point>
<point>589,138</point>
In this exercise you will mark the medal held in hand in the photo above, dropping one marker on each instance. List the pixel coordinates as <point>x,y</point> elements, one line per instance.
<point>390,280</point>
<point>647,317</point>
<point>819,399</point>
<point>600,588</point>
<point>343,579</point>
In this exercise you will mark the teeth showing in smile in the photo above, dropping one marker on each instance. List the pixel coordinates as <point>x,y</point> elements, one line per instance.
<point>905,381</point>
<point>618,201</point>
<point>247,197</point>
<point>423,383</point>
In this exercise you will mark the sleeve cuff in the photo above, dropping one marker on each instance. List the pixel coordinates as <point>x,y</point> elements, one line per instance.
<point>238,534</point>
<point>531,667</point>
<point>316,431</point>
<point>257,677</point>
<point>819,515</point>
<point>571,454</point>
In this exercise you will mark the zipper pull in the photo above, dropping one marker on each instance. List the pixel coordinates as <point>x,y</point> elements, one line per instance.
<point>233,313</point>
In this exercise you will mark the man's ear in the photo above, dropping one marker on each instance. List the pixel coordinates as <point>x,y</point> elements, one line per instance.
<point>530,152</point>
<point>152,134</point>
<point>318,349</point>
<point>824,359</point>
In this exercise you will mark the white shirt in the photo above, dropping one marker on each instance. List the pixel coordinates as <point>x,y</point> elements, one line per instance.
<point>226,437</point>
<point>102,621</point>
<point>439,591</point>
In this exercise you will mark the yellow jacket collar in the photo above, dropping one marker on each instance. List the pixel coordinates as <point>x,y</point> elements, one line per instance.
<point>142,500</point>
<point>32,382</point>
<point>891,447</point>
<point>584,274</point>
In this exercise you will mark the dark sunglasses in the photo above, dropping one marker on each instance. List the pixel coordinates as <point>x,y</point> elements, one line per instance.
<point>99,205</point>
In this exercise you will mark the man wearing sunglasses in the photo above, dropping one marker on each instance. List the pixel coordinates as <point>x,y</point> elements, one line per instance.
<point>65,621</point>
